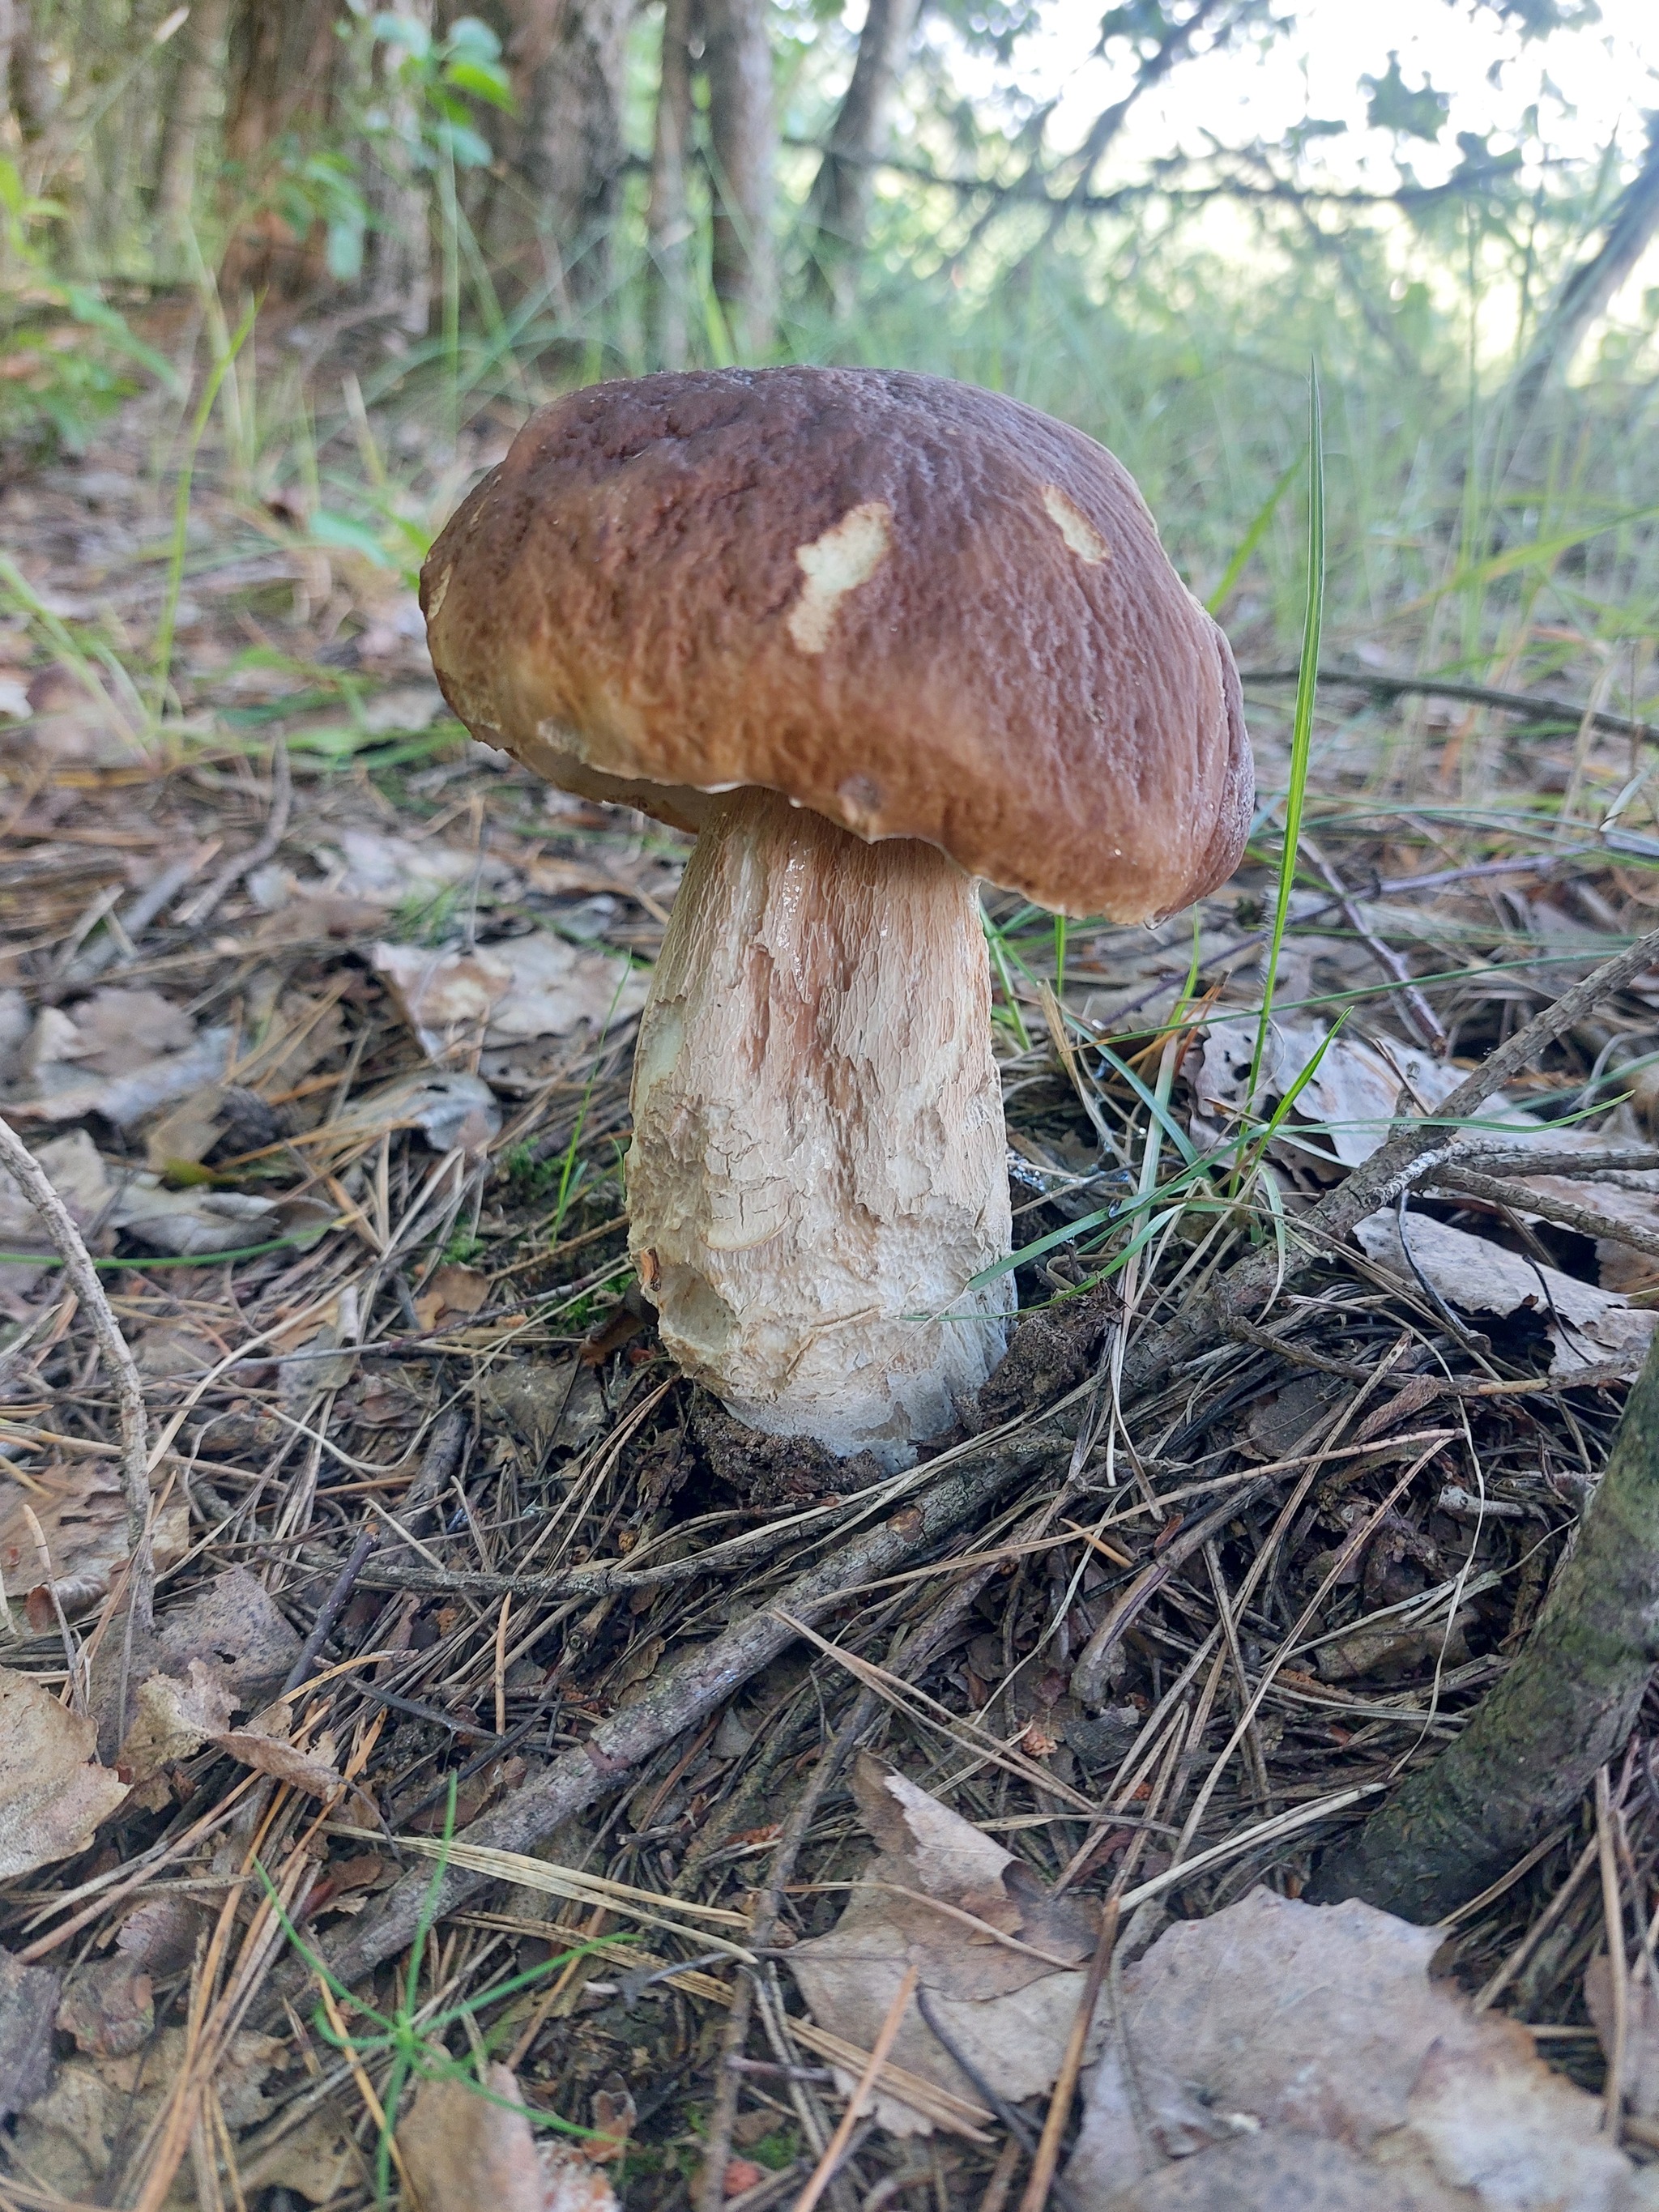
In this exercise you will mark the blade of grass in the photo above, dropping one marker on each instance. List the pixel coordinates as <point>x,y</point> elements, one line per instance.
<point>1302,725</point>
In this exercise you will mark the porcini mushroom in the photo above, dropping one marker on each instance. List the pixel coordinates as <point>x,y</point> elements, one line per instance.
<point>870,636</point>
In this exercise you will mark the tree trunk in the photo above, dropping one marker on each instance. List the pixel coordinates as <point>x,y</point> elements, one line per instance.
<point>549,216</point>
<point>195,84</point>
<point>1587,291</point>
<point>742,147</point>
<point>29,94</point>
<point>400,247</point>
<point>668,216</point>
<point>1564,1709</point>
<point>838,207</point>
<point>282,65</point>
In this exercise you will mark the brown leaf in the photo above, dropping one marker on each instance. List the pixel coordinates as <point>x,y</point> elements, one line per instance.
<point>1008,2006</point>
<point>28,2003</point>
<point>53,1793</point>
<point>108,2006</point>
<point>315,2160</point>
<point>614,2115</point>
<point>1482,1278</point>
<point>452,1291</point>
<point>160,1934</point>
<point>1317,2033</point>
<point>175,1719</point>
<point>313,1771</point>
<point>501,994</point>
<point>83,1519</point>
<point>465,2152</point>
<point>67,2140</point>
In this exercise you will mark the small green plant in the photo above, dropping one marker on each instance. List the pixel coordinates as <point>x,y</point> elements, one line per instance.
<point>57,377</point>
<point>462,1250</point>
<point>412,2047</point>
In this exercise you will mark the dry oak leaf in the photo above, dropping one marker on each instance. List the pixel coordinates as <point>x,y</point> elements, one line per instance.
<point>53,1793</point>
<point>108,2006</point>
<point>264,1746</point>
<point>1585,1324</point>
<point>175,1719</point>
<point>1282,2054</point>
<point>99,2108</point>
<point>1007,2005</point>
<point>465,2152</point>
<point>83,1519</point>
<point>28,2002</point>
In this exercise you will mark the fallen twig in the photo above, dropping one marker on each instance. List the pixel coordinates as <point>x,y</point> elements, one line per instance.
<point>1473,695</point>
<point>704,1679</point>
<point>32,1180</point>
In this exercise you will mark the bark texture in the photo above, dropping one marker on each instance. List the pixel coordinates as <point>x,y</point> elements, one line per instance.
<point>1564,1709</point>
<point>1591,286</point>
<point>189,109</point>
<point>549,216</point>
<point>819,1162</point>
<point>283,65</point>
<point>743,146</point>
<point>668,214</point>
<point>838,207</point>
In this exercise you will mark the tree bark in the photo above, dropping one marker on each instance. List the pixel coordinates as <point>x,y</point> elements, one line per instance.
<point>668,214</point>
<point>550,218</point>
<point>838,206</point>
<point>24,81</point>
<point>1591,286</point>
<point>281,64</point>
<point>399,246</point>
<point>1564,1709</point>
<point>196,80</point>
<point>743,147</point>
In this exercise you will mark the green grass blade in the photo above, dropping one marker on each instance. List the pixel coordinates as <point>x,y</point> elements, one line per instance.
<point>1307,683</point>
<point>1260,522</point>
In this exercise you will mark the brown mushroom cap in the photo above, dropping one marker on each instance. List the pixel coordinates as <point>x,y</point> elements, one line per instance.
<point>920,609</point>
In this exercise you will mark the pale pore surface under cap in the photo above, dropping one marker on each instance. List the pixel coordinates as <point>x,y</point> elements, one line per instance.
<point>819,1160</point>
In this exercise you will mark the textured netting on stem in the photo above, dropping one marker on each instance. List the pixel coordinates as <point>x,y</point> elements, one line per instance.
<point>871,635</point>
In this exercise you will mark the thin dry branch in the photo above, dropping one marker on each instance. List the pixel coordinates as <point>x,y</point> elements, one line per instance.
<point>32,1180</point>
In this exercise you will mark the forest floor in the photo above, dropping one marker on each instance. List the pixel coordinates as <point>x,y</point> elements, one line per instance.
<point>320,1017</point>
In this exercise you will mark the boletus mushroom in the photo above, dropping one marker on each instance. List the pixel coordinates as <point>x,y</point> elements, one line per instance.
<point>870,636</point>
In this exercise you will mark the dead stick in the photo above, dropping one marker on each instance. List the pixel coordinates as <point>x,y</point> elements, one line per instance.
<point>1413,1152</point>
<point>31,1178</point>
<point>1522,1198</point>
<point>700,1682</point>
<point>1060,2105</point>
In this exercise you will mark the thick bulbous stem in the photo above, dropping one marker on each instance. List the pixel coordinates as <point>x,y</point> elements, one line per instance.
<point>819,1163</point>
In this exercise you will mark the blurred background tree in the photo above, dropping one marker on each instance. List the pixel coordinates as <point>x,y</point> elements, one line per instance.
<point>511,194</point>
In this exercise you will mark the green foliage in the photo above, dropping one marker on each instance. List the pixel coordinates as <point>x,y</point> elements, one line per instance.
<point>67,358</point>
<point>1394,105</point>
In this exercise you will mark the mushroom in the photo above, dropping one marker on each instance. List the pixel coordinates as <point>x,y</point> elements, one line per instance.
<point>870,636</point>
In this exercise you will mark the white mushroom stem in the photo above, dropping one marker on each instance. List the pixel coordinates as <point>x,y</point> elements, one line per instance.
<point>819,1165</point>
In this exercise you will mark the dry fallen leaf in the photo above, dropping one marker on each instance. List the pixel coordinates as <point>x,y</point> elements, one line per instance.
<point>468,2153</point>
<point>28,2005</point>
<point>1287,2055</point>
<point>175,1719</point>
<point>108,2006</point>
<point>128,1094</point>
<point>453,1110</point>
<point>409,872</point>
<point>267,1751</point>
<point>1586,1326</point>
<point>97,2107</point>
<point>53,1793</point>
<point>1007,2006</point>
<point>82,1516</point>
<point>451,1291</point>
<point>501,995</point>
<point>76,1172</point>
<point>315,2160</point>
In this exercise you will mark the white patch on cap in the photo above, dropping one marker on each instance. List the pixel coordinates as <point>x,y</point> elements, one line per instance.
<point>439,593</point>
<point>1079,533</point>
<point>848,554</point>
